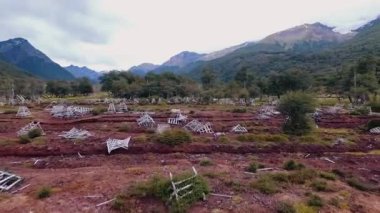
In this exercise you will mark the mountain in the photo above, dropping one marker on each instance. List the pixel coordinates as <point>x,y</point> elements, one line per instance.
<point>142,69</point>
<point>312,47</point>
<point>223,52</point>
<point>21,53</point>
<point>182,59</point>
<point>10,71</point>
<point>80,72</point>
<point>307,33</point>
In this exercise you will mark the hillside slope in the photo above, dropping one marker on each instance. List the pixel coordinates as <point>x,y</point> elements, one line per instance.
<point>22,54</point>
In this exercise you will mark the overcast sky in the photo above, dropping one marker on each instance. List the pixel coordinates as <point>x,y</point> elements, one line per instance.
<point>117,34</point>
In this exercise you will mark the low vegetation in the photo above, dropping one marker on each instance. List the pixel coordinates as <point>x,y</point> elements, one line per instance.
<point>292,165</point>
<point>34,133</point>
<point>173,137</point>
<point>160,188</point>
<point>262,138</point>
<point>44,192</point>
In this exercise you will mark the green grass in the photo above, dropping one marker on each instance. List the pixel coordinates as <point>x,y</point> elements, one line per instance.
<point>124,127</point>
<point>357,184</point>
<point>327,175</point>
<point>315,201</point>
<point>319,185</point>
<point>285,207</point>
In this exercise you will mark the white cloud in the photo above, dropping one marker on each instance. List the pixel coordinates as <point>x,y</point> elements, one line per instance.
<point>121,33</point>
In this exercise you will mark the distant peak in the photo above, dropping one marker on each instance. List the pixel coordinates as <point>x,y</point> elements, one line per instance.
<point>17,41</point>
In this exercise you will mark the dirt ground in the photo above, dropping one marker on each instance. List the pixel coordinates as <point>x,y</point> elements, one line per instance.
<point>80,183</point>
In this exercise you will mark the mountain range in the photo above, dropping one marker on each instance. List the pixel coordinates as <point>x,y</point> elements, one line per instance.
<point>316,48</point>
<point>80,72</point>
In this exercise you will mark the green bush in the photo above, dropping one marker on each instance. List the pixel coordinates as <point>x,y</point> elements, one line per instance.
<point>315,200</point>
<point>262,138</point>
<point>34,133</point>
<point>174,137</point>
<point>160,188</point>
<point>296,106</point>
<point>292,165</point>
<point>284,207</point>
<point>44,192</point>
<point>239,110</point>
<point>24,139</point>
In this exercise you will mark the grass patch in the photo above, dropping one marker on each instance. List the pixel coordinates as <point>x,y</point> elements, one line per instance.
<point>239,110</point>
<point>223,139</point>
<point>99,110</point>
<point>253,166</point>
<point>315,201</point>
<point>10,111</point>
<point>173,137</point>
<point>44,192</point>
<point>357,184</point>
<point>292,165</point>
<point>205,162</point>
<point>285,207</point>
<point>319,185</point>
<point>266,185</point>
<point>302,208</point>
<point>327,175</point>
<point>124,127</point>
<point>302,176</point>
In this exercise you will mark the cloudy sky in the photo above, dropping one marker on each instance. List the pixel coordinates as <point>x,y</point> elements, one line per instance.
<point>117,34</point>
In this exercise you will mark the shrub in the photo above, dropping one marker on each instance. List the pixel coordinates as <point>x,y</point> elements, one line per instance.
<point>24,139</point>
<point>375,106</point>
<point>124,127</point>
<point>252,167</point>
<point>266,185</point>
<point>10,111</point>
<point>160,188</point>
<point>205,162</point>
<point>360,111</point>
<point>357,184</point>
<point>223,139</point>
<point>302,208</point>
<point>34,133</point>
<point>319,185</point>
<point>239,110</point>
<point>118,203</point>
<point>338,172</point>
<point>98,110</point>
<point>296,106</point>
<point>372,124</point>
<point>301,176</point>
<point>284,207</point>
<point>327,175</point>
<point>262,138</point>
<point>174,137</point>
<point>44,192</point>
<point>280,177</point>
<point>292,165</point>
<point>315,200</point>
